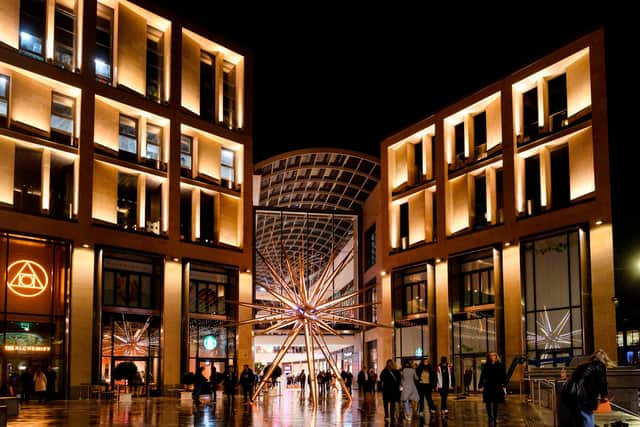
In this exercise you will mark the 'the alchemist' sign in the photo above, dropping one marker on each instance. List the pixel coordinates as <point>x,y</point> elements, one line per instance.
<point>27,278</point>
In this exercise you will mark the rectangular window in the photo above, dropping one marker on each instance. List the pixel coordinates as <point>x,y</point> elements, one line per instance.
<point>530,114</point>
<point>62,125</point>
<point>227,167</point>
<point>480,135</point>
<point>154,143</point>
<point>186,146</point>
<point>206,218</point>
<point>153,206</point>
<point>61,187</point>
<point>411,291</point>
<point>480,211</point>
<point>64,37</point>
<point>228,94</point>
<point>558,102</point>
<point>154,64</point>
<point>185,214</point>
<point>32,27</point>
<point>532,184</point>
<point>404,226</point>
<point>560,180</point>
<point>207,86</point>
<point>417,161</point>
<point>104,39</point>
<point>128,135</point>
<point>370,247</point>
<point>27,180</point>
<point>127,208</point>
<point>499,196</point>
<point>130,280</point>
<point>4,99</point>
<point>208,289</point>
<point>370,312</point>
<point>459,141</point>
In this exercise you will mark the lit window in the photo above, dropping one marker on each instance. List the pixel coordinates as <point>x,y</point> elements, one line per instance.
<point>103,43</point>
<point>62,118</point>
<point>227,162</point>
<point>186,143</point>
<point>128,137</point>
<point>4,99</point>
<point>32,27</point>
<point>154,142</point>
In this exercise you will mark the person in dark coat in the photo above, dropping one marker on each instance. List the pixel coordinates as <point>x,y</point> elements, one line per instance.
<point>198,382</point>
<point>444,372</point>
<point>26,383</point>
<point>362,382</point>
<point>230,381</point>
<point>390,379</point>
<point>246,381</point>
<point>213,380</point>
<point>586,388</point>
<point>426,383</point>
<point>492,382</point>
<point>51,383</point>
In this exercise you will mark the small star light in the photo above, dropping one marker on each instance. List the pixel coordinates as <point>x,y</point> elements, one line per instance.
<point>307,311</point>
<point>552,337</point>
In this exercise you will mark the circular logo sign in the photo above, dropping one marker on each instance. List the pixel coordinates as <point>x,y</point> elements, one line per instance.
<point>210,342</point>
<point>27,278</point>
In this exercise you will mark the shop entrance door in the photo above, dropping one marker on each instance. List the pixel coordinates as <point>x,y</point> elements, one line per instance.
<point>139,385</point>
<point>220,365</point>
<point>467,371</point>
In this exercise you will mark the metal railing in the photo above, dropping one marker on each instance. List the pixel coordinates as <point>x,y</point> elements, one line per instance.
<point>540,392</point>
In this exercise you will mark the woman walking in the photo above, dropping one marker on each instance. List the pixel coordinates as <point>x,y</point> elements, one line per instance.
<point>492,381</point>
<point>409,394</point>
<point>445,383</point>
<point>40,382</point>
<point>390,379</point>
<point>426,382</point>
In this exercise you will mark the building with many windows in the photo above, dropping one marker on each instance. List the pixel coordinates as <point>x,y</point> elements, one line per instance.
<point>495,228</point>
<point>125,145</point>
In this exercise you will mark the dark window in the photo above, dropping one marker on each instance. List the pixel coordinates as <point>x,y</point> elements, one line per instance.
<point>154,64</point>
<point>130,280</point>
<point>227,167</point>
<point>104,31</point>
<point>206,218</point>
<point>185,214</point>
<point>229,94</point>
<point>558,102</point>
<point>370,297</point>
<point>64,37</point>
<point>61,187</point>
<point>530,114</point>
<point>480,135</point>
<point>417,160</point>
<point>4,99</point>
<point>459,141</point>
<point>434,216</point>
<point>404,225</point>
<point>186,146</point>
<point>370,247</point>
<point>209,289</point>
<point>128,137</point>
<point>27,180</point>
<point>127,201</point>
<point>532,184</point>
<point>153,206</point>
<point>62,125</point>
<point>477,282</point>
<point>480,201</point>
<point>499,197</point>
<point>207,86</point>
<point>32,27</point>
<point>410,291</point>
<point>560,183</point>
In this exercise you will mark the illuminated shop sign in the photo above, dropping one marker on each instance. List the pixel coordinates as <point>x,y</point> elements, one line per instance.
<point>210,342</point>
<point>28,348</point>
<point>27,278</point>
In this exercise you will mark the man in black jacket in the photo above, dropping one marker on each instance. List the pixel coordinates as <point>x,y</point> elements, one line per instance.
<point>247,378</point>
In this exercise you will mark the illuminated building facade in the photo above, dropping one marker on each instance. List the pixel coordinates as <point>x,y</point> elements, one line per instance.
<point>124,193</point>
<point>496,228</point>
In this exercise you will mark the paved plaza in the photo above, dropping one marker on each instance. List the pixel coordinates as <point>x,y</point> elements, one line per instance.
<point>287,409</point>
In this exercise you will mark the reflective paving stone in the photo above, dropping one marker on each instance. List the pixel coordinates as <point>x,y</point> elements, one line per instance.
<point>288,409</point>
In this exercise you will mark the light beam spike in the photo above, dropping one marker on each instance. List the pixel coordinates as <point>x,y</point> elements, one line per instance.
<point>285,347</point>
<point>327,355</point>
<point>276,327</point>
<point>313,380</point>
<point>350,320</point>
<point>321,278</point>
<point>274,275</point>
<point>324,287</point>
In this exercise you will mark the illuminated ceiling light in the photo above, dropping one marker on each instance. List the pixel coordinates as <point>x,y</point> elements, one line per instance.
<point>438,260</point>
<point>175,259</point>
<point>599,222</point>
<point>383,273</point>
<point>308,310</point>
<point>247,270</point>
<point>85,245</point>
<point>507,244</point>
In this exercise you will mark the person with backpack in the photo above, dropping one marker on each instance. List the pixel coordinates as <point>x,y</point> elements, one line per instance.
<point>586,388</point>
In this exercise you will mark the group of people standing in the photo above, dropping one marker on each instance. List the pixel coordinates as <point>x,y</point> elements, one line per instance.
<point>413,385</point>
<point>34,381</point>
<point>229,380</point>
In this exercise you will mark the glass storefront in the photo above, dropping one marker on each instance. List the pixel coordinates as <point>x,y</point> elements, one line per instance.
<point>130,305</point>
<point>33,311</point>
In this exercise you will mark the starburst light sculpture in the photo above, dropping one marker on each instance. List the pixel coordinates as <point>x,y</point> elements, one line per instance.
<point>552,337</point>
<point>306,310</point>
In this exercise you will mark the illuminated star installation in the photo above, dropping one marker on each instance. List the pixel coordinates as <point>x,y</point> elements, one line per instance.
<point>552,337</point>
<point>307,311</point>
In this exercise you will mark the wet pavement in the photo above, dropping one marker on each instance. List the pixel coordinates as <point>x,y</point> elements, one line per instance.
<point>288,409</point>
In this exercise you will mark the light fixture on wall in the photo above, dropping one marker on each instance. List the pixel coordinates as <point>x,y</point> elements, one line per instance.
<point>599,222</point>
<point>247,270</point>
<point>438,260</point>
<point>507,244</point>
<point>175,259</point>
<point>383,273</point>
<point>86,245</point>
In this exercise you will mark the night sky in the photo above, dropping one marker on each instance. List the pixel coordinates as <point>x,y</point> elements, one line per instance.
<point>330,76</point>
